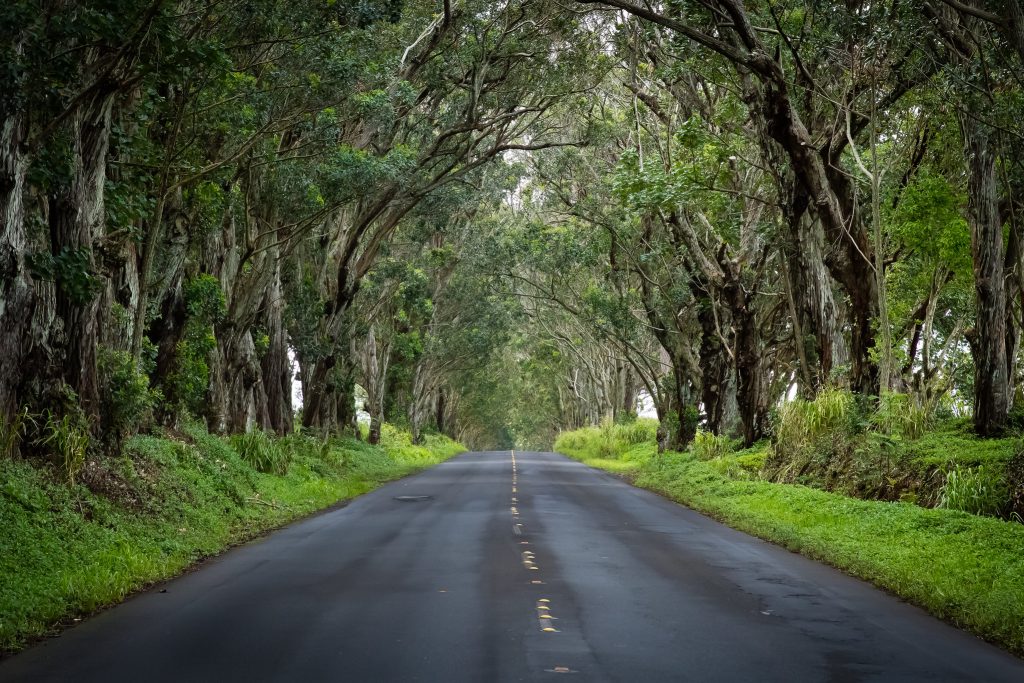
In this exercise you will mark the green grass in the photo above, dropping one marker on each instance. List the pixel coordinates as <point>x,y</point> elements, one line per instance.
<point>67,550</point>
<point>966,569</point>
<point>620,448</point>
<point>953,443</point>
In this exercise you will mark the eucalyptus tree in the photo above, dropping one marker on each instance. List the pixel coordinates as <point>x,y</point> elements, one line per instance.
<point>983,49</point>
<point>71,71</point>
<point>806,106</point>
<point>156,114</point>
<point>479,81</point>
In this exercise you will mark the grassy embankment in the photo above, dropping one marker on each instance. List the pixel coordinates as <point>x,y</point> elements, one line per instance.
<point>965,568</point>
<point>66,551</point>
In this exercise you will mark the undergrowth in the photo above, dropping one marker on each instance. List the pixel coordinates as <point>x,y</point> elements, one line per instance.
<point>886,450</point>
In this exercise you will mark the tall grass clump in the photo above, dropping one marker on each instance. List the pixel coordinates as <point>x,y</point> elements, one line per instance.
<point>803,422</point>
<point>900,415</point>
<point>638,432</point>
<point>620,447</point>
<point>11,433</point>
<point>608,446</point>
<point>708,446</point>
<point>815,441</point>
<point>981,490</point>
<point>66,439</point>
<point>262,452</point>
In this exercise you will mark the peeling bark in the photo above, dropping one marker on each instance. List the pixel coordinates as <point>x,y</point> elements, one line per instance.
<point>989,340</point>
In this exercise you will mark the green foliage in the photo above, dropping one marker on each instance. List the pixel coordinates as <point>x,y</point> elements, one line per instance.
<point>71,269</point>
<point>928,220</point>
<point>205,305</point>
<point>321,452</point>
<point>204,299</point>
<point>128,401</point>
<point>12,431</point>
<point>708,446</point>
<point>638,432</point>
<point>66,439</point>
<point>802,422</point>
<point>980,490</point>
<point>619,447</point>
<point>262,452</point>
<point>744,465</point>
<point>899,414</point>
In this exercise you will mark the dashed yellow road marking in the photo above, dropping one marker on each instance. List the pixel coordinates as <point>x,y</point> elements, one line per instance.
<point>543,618</point>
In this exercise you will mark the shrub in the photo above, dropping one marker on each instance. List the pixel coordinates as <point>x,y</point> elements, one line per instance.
<point>313,447</point>
<point>607,446</point>
<point>127,399</point>
<point>205,305</point>
<point>981,490</point>
<point>752,460</point>
<point>262,452</point>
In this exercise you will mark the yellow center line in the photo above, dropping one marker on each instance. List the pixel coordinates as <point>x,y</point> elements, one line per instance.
<point>543,618</point>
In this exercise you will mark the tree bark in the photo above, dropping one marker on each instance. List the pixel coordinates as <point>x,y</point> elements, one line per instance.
<point>376,357</point>
<point>276,364</point>
<point>16,291</point>
<point>989,340</point>
<point>76,225</point>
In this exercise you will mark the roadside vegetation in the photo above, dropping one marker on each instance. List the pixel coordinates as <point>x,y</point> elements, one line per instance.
<point>71,546</point>
<point>932,516</point>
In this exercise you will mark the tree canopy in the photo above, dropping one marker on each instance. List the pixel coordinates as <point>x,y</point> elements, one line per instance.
<point>502,220</point>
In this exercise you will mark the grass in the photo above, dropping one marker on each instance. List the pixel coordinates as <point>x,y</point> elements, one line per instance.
<point>67,549</point>
<point>966,569</point>
<point>618,448</point>
<point>980,490</point>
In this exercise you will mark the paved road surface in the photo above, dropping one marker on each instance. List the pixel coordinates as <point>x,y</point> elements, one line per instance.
<point>515,569</point>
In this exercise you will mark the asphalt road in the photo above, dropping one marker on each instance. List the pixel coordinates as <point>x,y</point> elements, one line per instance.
<point>512,572</point>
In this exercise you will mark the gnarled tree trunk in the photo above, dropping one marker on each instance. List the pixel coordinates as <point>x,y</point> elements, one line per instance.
<point>989,339</point>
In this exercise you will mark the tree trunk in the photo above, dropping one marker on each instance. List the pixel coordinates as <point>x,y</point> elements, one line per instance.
<point>76,225</point>
<point>276,365</point>
<point>819,319</point>
<point>421,404</point>
<point>748,373</point>
<point>376,357</point>
<point>684,414</point>
<point>991,374</point>
<point>714,364</point>
<point>16,291</point>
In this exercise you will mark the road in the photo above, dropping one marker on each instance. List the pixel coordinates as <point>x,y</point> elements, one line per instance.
<point>517,567</point>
